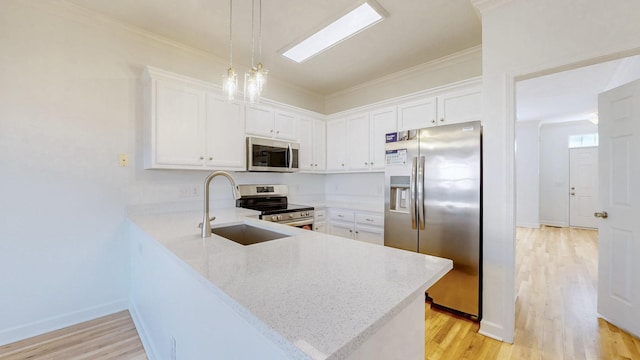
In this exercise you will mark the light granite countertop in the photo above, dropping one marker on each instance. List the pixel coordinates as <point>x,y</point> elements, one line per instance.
<point>324,294</point>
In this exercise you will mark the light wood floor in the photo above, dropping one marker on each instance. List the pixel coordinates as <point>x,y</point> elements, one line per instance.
<point>556,314</point>
<point>106,338</point>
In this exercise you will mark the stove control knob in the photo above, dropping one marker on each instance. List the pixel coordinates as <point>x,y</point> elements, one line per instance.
<point>290,216</point>
<point>279,217</point>
<point>273,218</point>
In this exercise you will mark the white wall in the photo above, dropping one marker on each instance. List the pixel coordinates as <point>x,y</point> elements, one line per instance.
<point>70,102</point>
<point>554,169</point>
<point>522,38</point>
<point>366,189</point>
<point>527,174</point>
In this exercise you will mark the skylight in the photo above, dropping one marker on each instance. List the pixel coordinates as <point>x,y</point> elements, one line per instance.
<point>348,25</point>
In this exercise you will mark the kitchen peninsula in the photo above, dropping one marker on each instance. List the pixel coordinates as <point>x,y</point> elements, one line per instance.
<point>305,296</point>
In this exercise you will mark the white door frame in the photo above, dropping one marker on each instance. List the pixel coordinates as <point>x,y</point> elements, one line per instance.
<point>510,78</point>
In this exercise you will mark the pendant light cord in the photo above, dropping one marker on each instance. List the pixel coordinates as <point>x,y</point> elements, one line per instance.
<point>230,33</point>
<point>253,7</point>
<point>260,33</point>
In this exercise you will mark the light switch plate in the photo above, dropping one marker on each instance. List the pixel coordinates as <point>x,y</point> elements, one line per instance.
<point>123,160</point>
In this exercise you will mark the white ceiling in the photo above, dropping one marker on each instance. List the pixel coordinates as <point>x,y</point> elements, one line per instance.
<point>566,96</point>
<point>416,31</point>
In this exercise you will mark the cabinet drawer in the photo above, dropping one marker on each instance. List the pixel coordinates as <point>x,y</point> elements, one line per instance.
<point>370,219</point>
<point>319,215</point>
<point>341,215</point>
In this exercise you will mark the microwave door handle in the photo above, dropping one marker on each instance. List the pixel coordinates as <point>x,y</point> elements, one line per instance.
<point>420,175</point>
<point>412,193</point>
<point>290,151</point>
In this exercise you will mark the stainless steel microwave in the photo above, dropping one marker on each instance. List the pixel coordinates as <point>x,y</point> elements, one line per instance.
<point>272,155</point>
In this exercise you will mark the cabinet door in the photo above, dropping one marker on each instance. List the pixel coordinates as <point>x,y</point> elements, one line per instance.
<point>320,227</point>
<point>461,106</point>
<point>307,149</point>
<point>417,114</point>
<point>336,144</point>
<point>370,234</point>
<point>319,145</point>
<point>343,229</point>
<point>226,144</point>
<point>178,124</point>
<point>383,121</point>
<point>358,133</point>
<point>286,126</point>
<point>259,121</point>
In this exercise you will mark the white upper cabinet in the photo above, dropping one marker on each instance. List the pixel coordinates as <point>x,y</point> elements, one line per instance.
<point>188,126</point>
<point>460,106</point>
<point>336,144</point>
<point>272,123</point>
<point>359,137</point>
<point>383,121</point>
<point>178,124</point>
<point>417,114</point>
<point>448,107</point>
<point>225,134</point>
<point>312,145</point>
<point>363,142</point>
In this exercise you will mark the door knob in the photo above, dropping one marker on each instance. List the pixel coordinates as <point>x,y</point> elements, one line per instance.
<point>601,214</point>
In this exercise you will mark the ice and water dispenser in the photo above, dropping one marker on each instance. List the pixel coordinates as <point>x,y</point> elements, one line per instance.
<point>400,196</point>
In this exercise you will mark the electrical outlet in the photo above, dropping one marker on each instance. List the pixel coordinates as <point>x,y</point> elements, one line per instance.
<point>189,191</point>
<point>123,160</point>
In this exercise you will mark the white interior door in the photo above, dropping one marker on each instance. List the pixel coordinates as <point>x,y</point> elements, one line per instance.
<point>619,243</point>
<point>583,182</point>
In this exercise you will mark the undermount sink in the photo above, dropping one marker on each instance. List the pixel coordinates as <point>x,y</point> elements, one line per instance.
<point>246,234</point>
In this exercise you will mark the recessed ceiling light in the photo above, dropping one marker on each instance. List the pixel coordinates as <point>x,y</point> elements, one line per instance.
<point>350,24</point>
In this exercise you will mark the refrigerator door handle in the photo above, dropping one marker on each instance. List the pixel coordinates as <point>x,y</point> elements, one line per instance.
<point>420,192</point>
<point>412,193</point>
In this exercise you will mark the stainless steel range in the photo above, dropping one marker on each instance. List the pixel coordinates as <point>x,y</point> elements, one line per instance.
<point>271,201</point>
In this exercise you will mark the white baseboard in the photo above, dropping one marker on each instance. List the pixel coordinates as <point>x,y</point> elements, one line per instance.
<point>528,225</point>
<point>490,329</point>
<point>147,344</point>
<point>53,323</point>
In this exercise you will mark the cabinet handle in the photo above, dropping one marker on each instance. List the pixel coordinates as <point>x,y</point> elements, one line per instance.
<point>342,164</point>
<point>366,163</point>
<point>210,157</point>
<point>369,219</point>
<point>441,119</point>
<point>350,230</point>
<point>201,157</point>
<point>433,121</point>
<point>340,215</point>
<point>271,131</point>
<point>278,132</point>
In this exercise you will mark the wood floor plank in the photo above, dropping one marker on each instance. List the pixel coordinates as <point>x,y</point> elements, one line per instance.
<point>110,337</point>
<point>556,314</point>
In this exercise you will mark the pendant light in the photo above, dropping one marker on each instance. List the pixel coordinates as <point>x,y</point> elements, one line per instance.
<point>255,79</point>
<point>230,80</point>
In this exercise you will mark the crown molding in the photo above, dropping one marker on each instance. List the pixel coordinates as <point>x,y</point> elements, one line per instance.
<point>409,73</point>
<point>484,5</point>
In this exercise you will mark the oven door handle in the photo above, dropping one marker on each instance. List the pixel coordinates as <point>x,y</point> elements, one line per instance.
<point>298,222</point>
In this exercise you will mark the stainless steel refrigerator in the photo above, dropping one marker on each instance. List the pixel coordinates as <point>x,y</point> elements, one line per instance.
<point>433,205</point>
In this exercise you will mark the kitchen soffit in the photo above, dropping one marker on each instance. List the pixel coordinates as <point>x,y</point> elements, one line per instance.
<point>415,32</point>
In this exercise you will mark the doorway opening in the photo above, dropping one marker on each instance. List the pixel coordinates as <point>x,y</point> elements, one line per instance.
<point>549,109</point>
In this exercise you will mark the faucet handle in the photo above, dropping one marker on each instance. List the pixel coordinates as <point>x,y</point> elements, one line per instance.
<point>210,220</point>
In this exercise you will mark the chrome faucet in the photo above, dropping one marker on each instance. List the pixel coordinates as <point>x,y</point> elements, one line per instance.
<point>206,220</point>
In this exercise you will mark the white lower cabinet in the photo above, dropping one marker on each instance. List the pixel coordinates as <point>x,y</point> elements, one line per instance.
<point>357,225</point>
<point>319,220</point>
